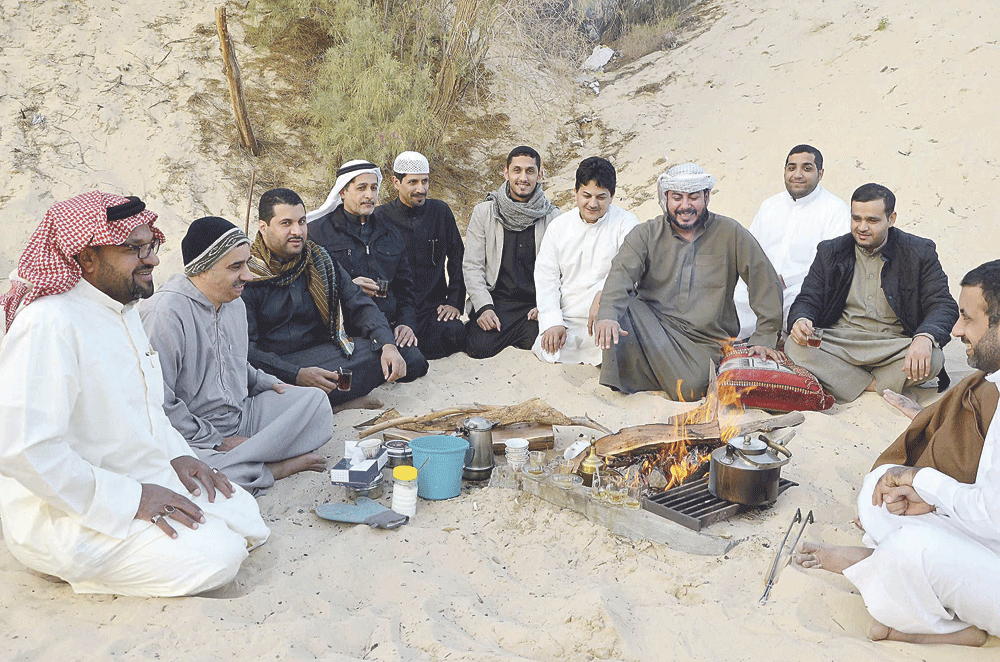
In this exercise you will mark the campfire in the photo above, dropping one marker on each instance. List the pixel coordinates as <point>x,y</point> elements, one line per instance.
<point>680,449</point>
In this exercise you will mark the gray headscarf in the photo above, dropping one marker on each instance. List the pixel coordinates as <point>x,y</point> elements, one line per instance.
<point>517,216</point>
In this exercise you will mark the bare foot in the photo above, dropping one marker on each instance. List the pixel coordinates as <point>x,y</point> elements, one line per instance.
<point>293,465</point>
<point>970,636</point>
<point>904,404</point>
<point>834,558</point>
<point>364,402</point>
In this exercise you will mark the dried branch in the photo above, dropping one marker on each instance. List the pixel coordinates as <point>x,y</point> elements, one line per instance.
<point>232,71</point>
<point>423,418</point>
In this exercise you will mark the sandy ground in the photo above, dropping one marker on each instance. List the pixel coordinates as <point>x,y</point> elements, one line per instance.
<point>109,94</point>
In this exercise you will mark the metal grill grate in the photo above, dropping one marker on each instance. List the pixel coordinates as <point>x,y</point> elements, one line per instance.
<point>693,506</point>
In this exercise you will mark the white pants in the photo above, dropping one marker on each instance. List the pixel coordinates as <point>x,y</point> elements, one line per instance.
<point>746,315</point>
<point>579,347</point>
<point>148,562</point>
<point>927,575</point>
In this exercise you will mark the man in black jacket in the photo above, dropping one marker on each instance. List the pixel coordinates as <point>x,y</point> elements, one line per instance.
<point>371,251</point>
<point>874,310</point>
<point>294,306</point>
<point>435,250</point>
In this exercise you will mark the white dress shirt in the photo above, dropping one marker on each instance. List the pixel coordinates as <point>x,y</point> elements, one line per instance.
<point>789,230</point>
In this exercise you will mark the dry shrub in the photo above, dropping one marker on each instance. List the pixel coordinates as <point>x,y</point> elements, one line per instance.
<point>392,71</point>
<point>649,26</point>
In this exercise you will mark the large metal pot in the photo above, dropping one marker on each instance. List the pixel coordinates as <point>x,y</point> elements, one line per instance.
<point>747,470</point>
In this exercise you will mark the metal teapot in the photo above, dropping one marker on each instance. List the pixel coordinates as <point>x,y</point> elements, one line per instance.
<point>479,461</point>
<point>747,470</point>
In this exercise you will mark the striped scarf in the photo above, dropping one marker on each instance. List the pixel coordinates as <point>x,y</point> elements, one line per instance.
<point>321,274</point>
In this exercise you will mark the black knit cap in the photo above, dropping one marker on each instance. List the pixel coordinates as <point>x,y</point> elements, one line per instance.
<point>201,234</point>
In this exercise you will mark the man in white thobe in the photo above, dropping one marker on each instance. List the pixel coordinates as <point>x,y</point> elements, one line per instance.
<point>789,225</point>
<point>573,263</point>
<point>930,568</point>
<point>92,475</point>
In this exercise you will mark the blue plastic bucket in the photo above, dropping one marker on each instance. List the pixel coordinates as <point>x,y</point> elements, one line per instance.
<point>441,477</point>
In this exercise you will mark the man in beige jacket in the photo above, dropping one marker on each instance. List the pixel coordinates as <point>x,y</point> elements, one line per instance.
<point>503,238</point>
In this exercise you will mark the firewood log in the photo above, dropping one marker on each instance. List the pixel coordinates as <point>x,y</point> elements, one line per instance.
<point>654,434</point>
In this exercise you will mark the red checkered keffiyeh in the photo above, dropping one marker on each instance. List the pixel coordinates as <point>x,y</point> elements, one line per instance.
<point>47,266</point>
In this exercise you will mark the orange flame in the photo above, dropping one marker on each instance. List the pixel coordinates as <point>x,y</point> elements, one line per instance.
<point>723,404</point>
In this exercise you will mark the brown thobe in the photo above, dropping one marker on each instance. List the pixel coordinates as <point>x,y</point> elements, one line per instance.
<point>866,343</point>
<point>674,298</point>
<point>949,434</point>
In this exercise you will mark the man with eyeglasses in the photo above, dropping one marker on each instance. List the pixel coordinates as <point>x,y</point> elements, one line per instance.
<point>96,487</point>
<point>244,422</point>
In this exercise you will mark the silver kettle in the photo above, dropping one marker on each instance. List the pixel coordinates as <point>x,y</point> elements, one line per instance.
<point>479,461</point>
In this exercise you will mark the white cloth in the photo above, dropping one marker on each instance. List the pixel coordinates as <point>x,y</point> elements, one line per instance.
<point>82,428</point>
<point>570,270</point>
<point>686,178</point>
<point>936,573</point>
<point>789,231</point>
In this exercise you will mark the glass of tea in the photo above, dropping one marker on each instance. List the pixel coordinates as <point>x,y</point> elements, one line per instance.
<point>816,339</point>
<point>383,288</point>
<point>633,496</point>
<point>344,378</point>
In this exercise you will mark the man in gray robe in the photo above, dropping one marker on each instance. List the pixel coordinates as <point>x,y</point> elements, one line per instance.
<point>667,305</point>
<point>239,420</point>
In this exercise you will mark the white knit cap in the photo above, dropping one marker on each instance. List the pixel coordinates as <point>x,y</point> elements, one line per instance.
<point>411,163</point>
<point>686,178</point>
<point>345,175</point>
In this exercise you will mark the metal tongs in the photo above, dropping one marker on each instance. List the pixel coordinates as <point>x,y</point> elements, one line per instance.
<point>776,567</point>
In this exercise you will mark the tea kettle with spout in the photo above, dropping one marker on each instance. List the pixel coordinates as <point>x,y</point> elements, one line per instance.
<point>479,432</point>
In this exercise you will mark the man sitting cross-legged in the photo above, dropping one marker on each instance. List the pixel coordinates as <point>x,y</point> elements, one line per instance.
<point>667,305</point>
<point>435,249</point>
<point>294,306</point>
<point>238,419</point>
<point>573,262</point>
<point>930,568</point>
<point>97,488</point>
<point>501,243</point>
<point>880,298</point>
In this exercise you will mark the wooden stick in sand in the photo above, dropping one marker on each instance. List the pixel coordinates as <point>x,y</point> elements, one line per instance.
<point>253,182</point>
<point>232,70</point>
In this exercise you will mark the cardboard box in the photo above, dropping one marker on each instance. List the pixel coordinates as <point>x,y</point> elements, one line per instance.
<point>363,472</point>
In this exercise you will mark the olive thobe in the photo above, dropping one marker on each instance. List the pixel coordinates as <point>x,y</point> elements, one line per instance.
<point>867,342</point>
<point>675,300</point>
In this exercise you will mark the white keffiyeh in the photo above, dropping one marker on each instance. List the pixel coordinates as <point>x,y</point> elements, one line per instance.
<point>686,178</point>
<point>345,174</point>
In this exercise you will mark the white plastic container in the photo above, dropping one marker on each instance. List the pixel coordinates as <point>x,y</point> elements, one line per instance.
<point>404,490</point>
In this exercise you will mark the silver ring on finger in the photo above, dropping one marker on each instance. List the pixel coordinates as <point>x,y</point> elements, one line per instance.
<point>168,510</point>
<point>156,519</point>
<point>215,471</point>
